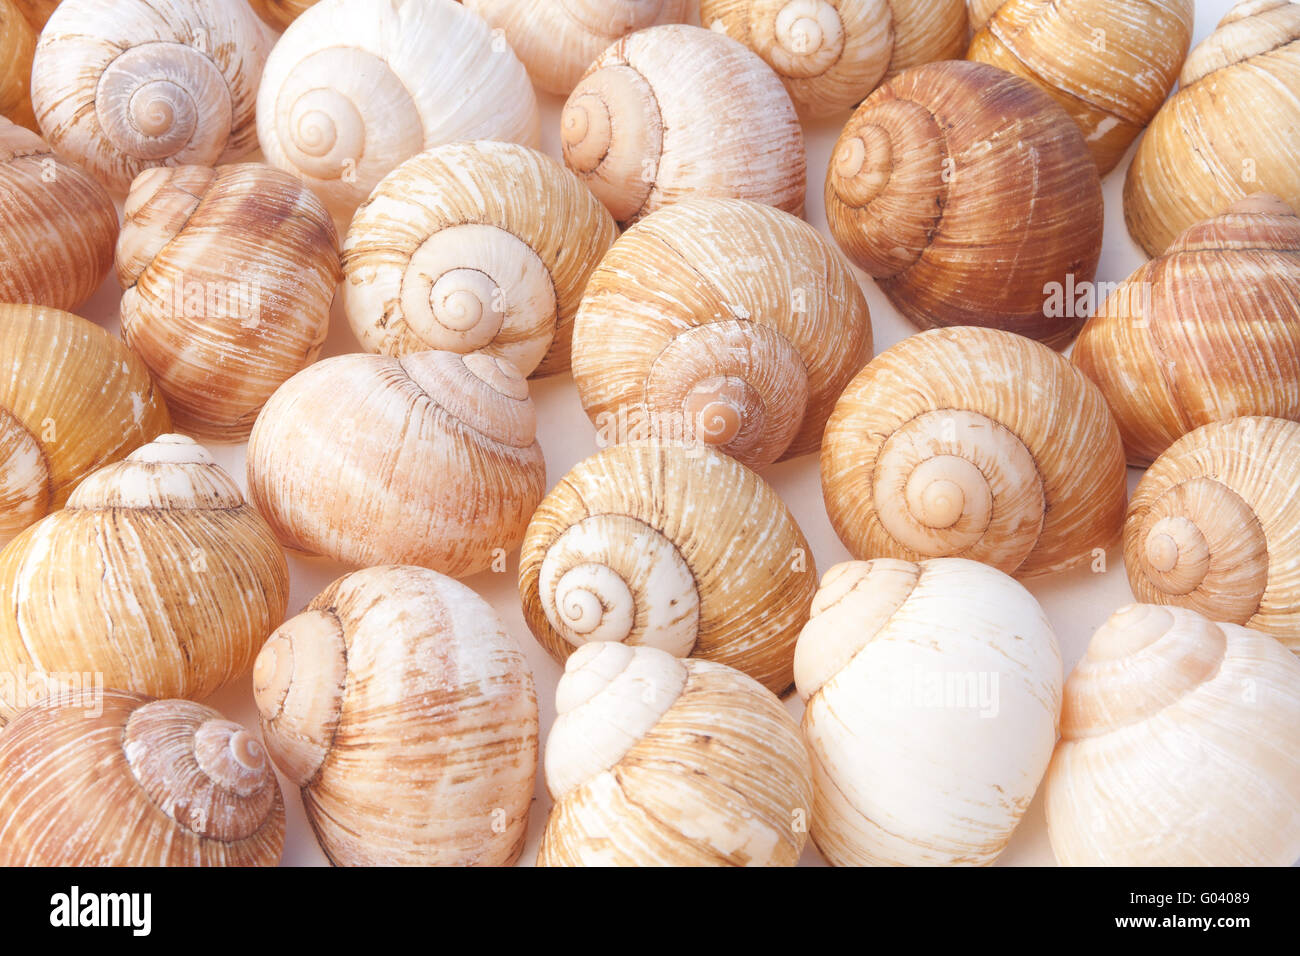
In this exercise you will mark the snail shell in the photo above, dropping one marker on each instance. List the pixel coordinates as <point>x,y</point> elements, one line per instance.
<point>72,399</point>
<point>1198,154</point>
<point>932,693</point>
<point>676,111</point>
<point>280,13</point>
<point>113,779</point>
<point>123,85</point>
<point>17,47</point>
<point>978,444</point>
<point>671,546</point>
<point>228,276</point>
<point>966,192</point>
<point>1180,746</point>
<point>441,256</point>
<point>37,12</point>
<point>656,761</point>
<point>430,459</point>
<point>353,88</point>
<point>156,575</point>
<point>1208,331</point>
<point>406,713</point>
<point>722,321</point>
<point>980,11</point>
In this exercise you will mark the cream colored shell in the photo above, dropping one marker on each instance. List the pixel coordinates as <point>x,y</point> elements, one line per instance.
<point>280,13</point>
<point>17,47</point>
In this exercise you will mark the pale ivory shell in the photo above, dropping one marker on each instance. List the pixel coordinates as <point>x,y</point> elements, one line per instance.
<point>978,444</point>
<point>123,85</point>
<point>831,53</point>
<point>1208,331</point>
<point>932,694</point>
<point>355,87</point>
<point>1227,132</point>
<point>1215,526</point>
<point>407,715</point>
<point>675,111</point>
<point>672,546</point>
<point>17,47</point>
<point>430,459</point>
<point>104,778</point>
<point>1180,746</point>
<point>37,12</point>
<point>474,246</point>
<point>72,399</point>
<point>966,192</point>
<point>228,275</point>
<point>280,13</point>
<point>57,225</point>
<point>722,321</point>
<point>656,761</point>
<point>157,576</point>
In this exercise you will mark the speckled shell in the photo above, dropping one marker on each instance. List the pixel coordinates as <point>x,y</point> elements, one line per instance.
<point>17,47</point>
<point>280,13</point>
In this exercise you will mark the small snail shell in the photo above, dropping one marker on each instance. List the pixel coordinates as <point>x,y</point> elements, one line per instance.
<point>443,255</point>
<point>671,546</point>
<point>37,12</point>
<point>123,85</point>
<point>105,778</point>
<point>676,111</point>
<point>72,399</point>
<point>1180,746</point>
<point>932,693</point>
<point>406,713</point>
<point>354,87</point>
<point>1198,155</point>
<point>1210,330</point>
<point>17,47</point>
<point>656,761</point>
<point>156,575</point>
<point>723,321</point>
<point>280,13</point>
<point>978,444</point>
<point>966,192</point>
<point>228,276</point>
<point>831,53</point>
<point>430,459</point>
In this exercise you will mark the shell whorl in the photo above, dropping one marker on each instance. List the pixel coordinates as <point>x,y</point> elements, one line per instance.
<point>807,37</point>
<point>172,471</point>
<point>25,490</point>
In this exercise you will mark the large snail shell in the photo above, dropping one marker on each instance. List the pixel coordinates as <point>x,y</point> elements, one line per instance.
<point>123,85</point>
<point>474,246</point>
<point>72,399</point>
<point>355,87</point>
<point>105,778</point>
<point>966,192</point>
<point>406,713</point>
<point>724,321</point>
<point>430,459</point>
<point>978,444</point>
<point>1180,746</point>
<point>156,575</point>
<point>1208,331</point>
<point>932,694</point>
<point>228,276</point>
<point>1199,153</point>
<point>17,47</point>
<point>280,13</point>
<point>675,111</point>
<point>655,761</point>
<point>672,546</point>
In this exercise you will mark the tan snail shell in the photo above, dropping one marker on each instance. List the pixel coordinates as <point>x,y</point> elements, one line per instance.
<point>656,761</point>
<point>978,444</point>
<point>1200,152</point>
<point>228,275</point>
<point>1214,525</point>
<point>105,778</point>
<point>17,47</point>
<point>407,715</point>
<point>675,111</point>
<point>979,12</point>
<point>1208,331</point>
<point>72,399</point>
<point>966,192</point>
<point>280,13</point>
<point>831,53</point>
<point>670,546</point>
<point>157,576</point>
<point>722,321</point>
<point>441,256</point>
<point>355,87</point>
<point>430,459</point>
<point>37,12</point>
<point>1180,746</point>
<point>123,85</point>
